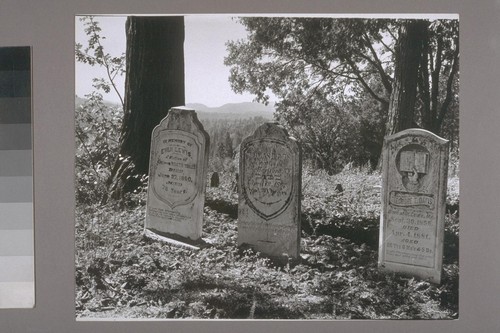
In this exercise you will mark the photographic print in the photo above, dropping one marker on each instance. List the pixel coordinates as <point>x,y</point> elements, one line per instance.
<point>17,286</point>
<point>267,167</point>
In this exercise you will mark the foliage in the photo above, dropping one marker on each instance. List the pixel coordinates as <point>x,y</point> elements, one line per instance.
<point>438,84</point>
<point>97,124</point>
<point>330,139</point>
<point>94,54</point>
<point>120,273</point>
<point>97,128</point>
<point>299,57</point>
<point>340,72</point>
<point>225,138</point>
<point>355,211</point>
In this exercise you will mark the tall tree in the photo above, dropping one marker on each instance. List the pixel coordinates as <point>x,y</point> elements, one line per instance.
<point>154,83</point>
<point>336,67</point>
<point>438,80</point>
<point>408,53</point>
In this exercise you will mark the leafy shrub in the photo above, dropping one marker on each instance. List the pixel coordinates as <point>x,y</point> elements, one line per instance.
<point>97,127</point>
<point>354,212</point>
<point>355,209</point>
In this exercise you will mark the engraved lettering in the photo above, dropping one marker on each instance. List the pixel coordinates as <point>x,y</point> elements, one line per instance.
<point>267,178</point>
<point>174,176</point>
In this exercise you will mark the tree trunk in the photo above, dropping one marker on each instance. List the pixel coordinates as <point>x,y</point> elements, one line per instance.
<point>404,88</point>
<point>154,83</point>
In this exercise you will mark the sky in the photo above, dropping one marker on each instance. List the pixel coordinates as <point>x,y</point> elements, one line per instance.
<point>206,76</point>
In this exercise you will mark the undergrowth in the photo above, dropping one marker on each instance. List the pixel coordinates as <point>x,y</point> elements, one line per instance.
<point>122,274</point>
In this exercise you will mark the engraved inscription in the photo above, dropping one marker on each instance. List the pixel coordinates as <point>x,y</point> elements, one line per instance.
<point>413,196</point>
<point>269,233</point>
<point>272,228</point>
<point>267,177</point>
<point>177,169</point>
<point>170,215</point>
<point>174,175</point>
<point>410,236</point>
<point>407,199</point>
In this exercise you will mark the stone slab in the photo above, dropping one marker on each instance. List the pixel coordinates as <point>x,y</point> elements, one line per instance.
<point>269,192</point>
<point>414,178</point>
<point>177,174</point>
<point>173,240</point>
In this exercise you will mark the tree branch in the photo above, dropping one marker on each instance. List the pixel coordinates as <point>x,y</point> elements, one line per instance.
<point>92,32</point>
<point>386,79</point>
<point>364,84</point>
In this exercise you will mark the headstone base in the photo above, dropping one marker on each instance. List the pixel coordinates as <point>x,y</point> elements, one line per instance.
<point>270,169</point>
<point>411,271</point>
<point>276,260</point>
<point>175,240</point>
<point>177,172</point>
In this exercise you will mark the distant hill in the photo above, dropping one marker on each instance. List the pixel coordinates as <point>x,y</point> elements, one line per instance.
<point>234,107</point>
<point>233,110</point>
<point>80,100</point>
<point>227,111</point>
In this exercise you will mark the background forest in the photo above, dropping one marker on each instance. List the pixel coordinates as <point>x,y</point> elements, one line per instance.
<point>337,85</point>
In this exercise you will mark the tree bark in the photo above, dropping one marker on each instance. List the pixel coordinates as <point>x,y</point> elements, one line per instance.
<point>154,83</point>
<point>408,53</point>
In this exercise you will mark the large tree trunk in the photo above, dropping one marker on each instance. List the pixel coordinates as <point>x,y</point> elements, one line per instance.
<point>404,88</point>
<point>154,83</point>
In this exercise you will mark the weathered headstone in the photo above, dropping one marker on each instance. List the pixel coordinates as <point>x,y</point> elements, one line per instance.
<point>177,173</point>
<point>214,180</point>
<point>235,183</point>
<point>415,174</point>
<point>269,192</point>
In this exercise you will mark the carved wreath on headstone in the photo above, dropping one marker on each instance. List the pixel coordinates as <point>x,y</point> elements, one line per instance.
<point>267,176</point>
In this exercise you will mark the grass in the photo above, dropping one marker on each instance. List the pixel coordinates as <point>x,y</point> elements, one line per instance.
<point>121,274</point>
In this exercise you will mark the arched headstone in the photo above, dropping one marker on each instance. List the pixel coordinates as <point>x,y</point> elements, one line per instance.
<point>214,180</point>
<point>415,173</point>
<point>177,172</point>
<point>269,192</point>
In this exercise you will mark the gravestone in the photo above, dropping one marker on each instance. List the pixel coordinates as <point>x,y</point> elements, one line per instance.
<point>269,192</point>
<point>177,172</point>
<point>235,183</point>
<point>214,180</point>
<point>415,174</point>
